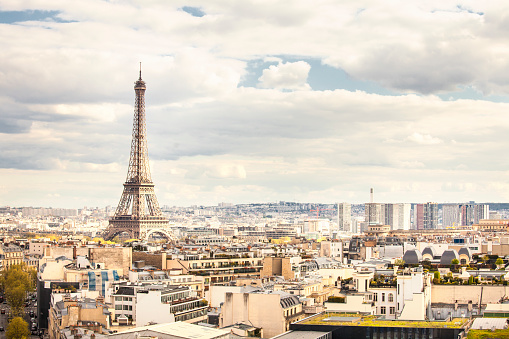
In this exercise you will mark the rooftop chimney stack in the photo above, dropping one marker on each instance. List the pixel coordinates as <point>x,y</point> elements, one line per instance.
<point>371,197</point>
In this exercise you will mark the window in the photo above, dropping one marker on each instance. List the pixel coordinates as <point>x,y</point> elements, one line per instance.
<point>118,298</point>
<point>382,309</point>
<point>390,298</point>
<point>126,307</point>
<point>398,308</point>
<point>118,307</point>
<point>376,296</point>
<point>383,296</point>
<point>392,310</point>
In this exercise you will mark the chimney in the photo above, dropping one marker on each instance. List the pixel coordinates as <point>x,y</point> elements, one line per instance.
<point>371,195</point>
<point>74,253</point>
<point>470,306</point>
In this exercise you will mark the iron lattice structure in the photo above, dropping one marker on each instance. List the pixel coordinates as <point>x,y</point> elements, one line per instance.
<point>138,211</point>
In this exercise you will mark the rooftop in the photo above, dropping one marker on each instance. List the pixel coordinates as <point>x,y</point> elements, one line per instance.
<point>338,319</point>
<point>178,329</point>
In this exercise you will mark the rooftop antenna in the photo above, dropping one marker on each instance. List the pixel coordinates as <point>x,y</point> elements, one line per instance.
<point>140,70</point>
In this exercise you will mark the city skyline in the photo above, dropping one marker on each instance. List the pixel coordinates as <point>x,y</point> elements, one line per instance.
<point>255,102</point>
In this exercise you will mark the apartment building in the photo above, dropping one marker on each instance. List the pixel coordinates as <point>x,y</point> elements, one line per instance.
<point>85,313</point>
<point>273,312</point>
<point>144,303</point>
<point>216,270</point>
<point>10,255</point>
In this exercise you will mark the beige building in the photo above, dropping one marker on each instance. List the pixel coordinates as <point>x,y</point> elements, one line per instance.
<point>11,255</point>
<point>273,312</point>
<point>77,312</point>
<point>378,230</point>
<point>117,258</point>
<point>490,225</point>
<point>276,266</point>
<point>319,291</point>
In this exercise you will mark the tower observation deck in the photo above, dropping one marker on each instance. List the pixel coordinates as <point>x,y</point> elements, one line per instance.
<point>138,212</point>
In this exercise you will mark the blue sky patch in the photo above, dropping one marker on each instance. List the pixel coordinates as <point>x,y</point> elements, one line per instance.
<point>194,11</point>
<point>11,17</point>
<point>321,77</point>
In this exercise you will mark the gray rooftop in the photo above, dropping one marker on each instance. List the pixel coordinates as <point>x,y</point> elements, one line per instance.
<point>301,335</point>
<point>489,323</point>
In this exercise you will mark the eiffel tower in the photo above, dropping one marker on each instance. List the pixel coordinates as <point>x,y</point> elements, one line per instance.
<point>138,211</point>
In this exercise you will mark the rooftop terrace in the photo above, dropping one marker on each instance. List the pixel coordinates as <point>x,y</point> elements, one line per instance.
<point>342,319</point>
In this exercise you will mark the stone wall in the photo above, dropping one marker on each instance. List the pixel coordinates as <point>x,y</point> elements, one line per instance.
<point>119,258</point>
<point>149,258</point>
<point>464,293</point>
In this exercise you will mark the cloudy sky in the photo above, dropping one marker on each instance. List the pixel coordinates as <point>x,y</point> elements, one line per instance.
<point>255,101</point>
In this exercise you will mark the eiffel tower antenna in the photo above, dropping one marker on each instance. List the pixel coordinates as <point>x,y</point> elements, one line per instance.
<point>138,211</point>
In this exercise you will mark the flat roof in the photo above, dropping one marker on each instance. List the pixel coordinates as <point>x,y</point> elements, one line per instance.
<point>179,329</point>
<point>329,318</point>
<point>301,335</point>
<point>489,323</point>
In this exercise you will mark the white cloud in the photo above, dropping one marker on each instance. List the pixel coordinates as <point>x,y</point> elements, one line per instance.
<point>423,139</point>
<point>289,75</point>
<point>67,95</point>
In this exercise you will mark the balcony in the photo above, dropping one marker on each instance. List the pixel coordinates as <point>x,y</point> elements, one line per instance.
<point>181,301</point>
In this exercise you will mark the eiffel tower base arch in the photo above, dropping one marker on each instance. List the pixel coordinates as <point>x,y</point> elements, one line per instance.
<point>139,229</point>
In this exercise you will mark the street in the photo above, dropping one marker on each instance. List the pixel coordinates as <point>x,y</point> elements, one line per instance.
<point>4,314</point>
<point>4,311</point>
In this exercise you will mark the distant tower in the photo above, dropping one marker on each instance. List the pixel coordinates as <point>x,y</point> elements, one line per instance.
<point>345,217</point>
<point>138,211</point>
<point>372,210</point>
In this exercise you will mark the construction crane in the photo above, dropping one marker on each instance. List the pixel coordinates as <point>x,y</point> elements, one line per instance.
<point>321,209</point>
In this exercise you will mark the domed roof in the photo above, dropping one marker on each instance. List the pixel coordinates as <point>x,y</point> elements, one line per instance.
<point>430,250</point>
<point>448,256</point>
<point>412,256</point>
<point>466,251</point>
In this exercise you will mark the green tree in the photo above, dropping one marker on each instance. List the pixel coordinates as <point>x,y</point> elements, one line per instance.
<point>499,262</point>
<point>15,296</point>
<point>16,281</point>
<point>436,275</point>
<point>17,329</point>
<point>455,261</point>
<point>399,262</point>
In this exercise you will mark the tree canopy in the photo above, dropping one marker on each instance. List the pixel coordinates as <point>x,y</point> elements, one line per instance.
<point>399,262</point>
<point>17,329</point>
<point>16,281</point>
